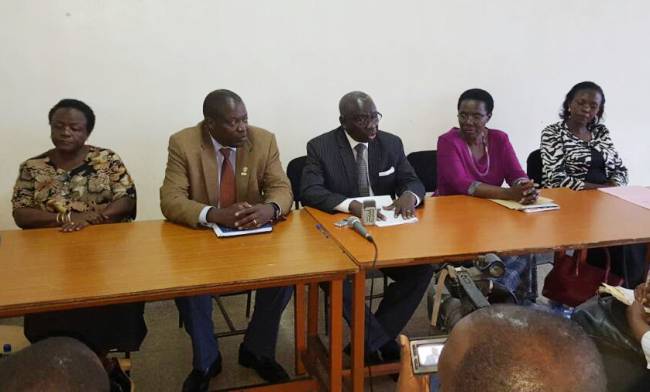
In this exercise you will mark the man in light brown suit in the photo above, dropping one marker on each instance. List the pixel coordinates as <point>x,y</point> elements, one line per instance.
<point>225,172</point>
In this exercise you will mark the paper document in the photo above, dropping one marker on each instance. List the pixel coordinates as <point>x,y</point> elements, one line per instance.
<point>390,219</point>
<point>620,293</point>
<point>638,195</point>
<point>228,232</point>
<point>381,202</point>
<point>542,204</point>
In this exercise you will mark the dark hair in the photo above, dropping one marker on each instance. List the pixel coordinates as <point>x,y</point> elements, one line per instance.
<point>214,102</point>
<point>564,114</point>
<point>519,348</point>
<point>75,104</point>
<point>477,94</point>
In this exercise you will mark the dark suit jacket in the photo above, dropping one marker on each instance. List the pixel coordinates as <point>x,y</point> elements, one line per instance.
<point>191,175</point>
<point>330,174</point>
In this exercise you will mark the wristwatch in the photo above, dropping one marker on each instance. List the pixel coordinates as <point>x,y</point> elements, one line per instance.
<point>276,209</point>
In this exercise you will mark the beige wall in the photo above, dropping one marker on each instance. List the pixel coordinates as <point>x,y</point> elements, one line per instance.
<point>145,66</point>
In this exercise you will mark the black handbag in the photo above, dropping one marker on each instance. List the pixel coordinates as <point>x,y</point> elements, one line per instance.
<point>604,317</point>
<point>604,320</point>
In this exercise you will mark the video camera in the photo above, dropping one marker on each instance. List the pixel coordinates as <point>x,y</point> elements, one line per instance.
<point>462,289</point>
<point>459,290</point>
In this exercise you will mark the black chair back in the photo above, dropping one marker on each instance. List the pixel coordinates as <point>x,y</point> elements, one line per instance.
<point>425,164</point>
<point>294,172</point>
<point>534,166</point>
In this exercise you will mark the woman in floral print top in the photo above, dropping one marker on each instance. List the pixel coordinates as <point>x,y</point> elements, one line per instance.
<point>74,184</point>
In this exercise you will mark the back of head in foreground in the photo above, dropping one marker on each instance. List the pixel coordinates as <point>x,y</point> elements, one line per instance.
<point>505,348</point>
<point>56,364</point>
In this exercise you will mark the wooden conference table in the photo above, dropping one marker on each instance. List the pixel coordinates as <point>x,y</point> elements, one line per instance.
<point>45,270</point>
<point>461,227</point>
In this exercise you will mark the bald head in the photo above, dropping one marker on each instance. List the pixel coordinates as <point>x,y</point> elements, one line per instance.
<point>512,348</point>
<point>55,364</point>
<point>359,116</point>
<point>351,101</point>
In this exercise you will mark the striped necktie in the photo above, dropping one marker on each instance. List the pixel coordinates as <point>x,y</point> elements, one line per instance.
<point>362,170</point>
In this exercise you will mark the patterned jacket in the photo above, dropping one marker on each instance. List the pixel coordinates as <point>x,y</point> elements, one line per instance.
<point>101,179</point>
<point>566,158</point>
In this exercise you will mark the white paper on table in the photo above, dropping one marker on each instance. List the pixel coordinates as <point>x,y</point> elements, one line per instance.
<point>381,202</point>
<point>620,293</point>
<point>635,194</point>
<point>390,219</point>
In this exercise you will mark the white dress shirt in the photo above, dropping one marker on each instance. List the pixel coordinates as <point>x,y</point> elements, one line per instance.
<point>344,206</point>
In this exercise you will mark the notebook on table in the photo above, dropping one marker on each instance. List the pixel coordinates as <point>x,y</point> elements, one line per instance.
<point>542,204</point>
<point>222,231</point>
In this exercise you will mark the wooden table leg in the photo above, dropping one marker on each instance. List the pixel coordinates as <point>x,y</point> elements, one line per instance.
<point>357,333</point>
<point>299,327</point>
<point>312,311</point>
<point>336,335</point>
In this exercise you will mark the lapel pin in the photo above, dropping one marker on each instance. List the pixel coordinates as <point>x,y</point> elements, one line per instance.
<point>244,171</point>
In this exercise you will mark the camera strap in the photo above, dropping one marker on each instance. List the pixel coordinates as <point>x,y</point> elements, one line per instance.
<point>437,298</point>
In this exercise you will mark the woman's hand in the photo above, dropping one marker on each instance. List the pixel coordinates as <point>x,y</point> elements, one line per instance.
<point>80,220</point>
<point>92,218</point>
<point>524,192</point>
<point>74,226</point>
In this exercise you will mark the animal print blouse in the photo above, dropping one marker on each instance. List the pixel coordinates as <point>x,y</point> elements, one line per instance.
<point>101,179</point>
<point>566,158</point>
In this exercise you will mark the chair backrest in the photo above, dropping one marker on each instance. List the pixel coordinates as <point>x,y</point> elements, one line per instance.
<point>534,166</point>
<point>294,172</point>
<point>424,163</point>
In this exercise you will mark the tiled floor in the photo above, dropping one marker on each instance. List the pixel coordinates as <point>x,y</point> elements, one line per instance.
<point>165,357</point>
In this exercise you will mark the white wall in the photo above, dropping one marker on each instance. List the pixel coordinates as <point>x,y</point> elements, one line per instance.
<point>145,66</point>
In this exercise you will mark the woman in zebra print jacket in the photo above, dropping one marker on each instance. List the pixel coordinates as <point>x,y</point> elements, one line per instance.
<point>577,152</point>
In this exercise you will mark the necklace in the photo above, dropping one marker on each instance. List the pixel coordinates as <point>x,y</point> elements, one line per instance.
<point>487,154</point>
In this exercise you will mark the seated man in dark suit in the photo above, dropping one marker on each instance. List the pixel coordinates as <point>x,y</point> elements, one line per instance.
<point>356,159</point>
<point>223,171</point>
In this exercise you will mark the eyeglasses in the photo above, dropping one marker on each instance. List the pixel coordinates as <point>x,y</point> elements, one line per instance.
<point>363,120</point>
<point>473,117</point>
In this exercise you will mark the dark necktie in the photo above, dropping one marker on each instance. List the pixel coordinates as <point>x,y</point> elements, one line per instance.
<point>362,170</point>
<point>227,192</point>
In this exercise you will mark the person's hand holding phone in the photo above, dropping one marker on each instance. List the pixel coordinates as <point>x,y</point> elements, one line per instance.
<point>408,381</point>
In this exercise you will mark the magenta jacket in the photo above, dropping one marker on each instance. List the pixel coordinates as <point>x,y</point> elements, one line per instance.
<point>457,169</point>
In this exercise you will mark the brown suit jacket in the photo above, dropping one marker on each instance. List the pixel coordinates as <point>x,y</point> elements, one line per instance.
<point>191,176</point>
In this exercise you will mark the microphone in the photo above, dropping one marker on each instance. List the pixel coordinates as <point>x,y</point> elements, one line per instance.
<point>358,227</point>
<point>369,212</point>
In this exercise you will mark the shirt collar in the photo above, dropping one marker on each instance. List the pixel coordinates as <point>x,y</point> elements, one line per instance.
<point>353,143</point>
<point>218,146</point>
